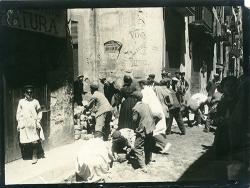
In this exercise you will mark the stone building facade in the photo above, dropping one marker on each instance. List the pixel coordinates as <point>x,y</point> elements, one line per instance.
<point>140,41</point>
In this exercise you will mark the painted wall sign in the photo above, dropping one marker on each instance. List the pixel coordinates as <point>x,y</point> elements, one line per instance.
<point>112,46</point>
<point>49,22</point>
<point>137,34</point>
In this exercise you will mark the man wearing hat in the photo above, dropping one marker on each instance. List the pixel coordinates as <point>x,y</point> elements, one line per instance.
<point>145,124</point>
<point>78,90</point>
<point>176,81</point>
<point>174,109</point>
<point>184,87</point>
<point>123,143</point>
<point>109,88</point>
<point>103,111</point>
<point>212,86</point>
<point>151,79</point>
<point>29,117</point>
<point>165,74</point>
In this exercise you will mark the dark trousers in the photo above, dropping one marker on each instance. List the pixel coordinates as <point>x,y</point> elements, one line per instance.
<point>103,124</point>
<point>210,117</point>
<point>180,97</point>
<point>175,113</point>
<point>78,99</point>
<point>143,144</point>
<point>199,116</point>
<point>28,149</point>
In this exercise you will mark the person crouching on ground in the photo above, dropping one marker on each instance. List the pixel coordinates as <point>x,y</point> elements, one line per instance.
<point>94,160</point>
<point>103,111</point>
<point>122,144</point>
<point>196,104</point>
<point>145,124</point>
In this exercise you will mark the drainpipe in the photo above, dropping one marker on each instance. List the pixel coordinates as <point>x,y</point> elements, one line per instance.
<point>164,41</point>
<point>246,37</point>
<point>95,44</point>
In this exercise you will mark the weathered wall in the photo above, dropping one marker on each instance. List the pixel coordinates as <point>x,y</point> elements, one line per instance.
<point>46,62</point>
<point>86,41</point>
<point>61,125</point>
<point>139,31</point>
<point>61,117</point>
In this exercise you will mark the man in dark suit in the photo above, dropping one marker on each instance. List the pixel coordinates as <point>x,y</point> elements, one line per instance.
<point>78,90</point>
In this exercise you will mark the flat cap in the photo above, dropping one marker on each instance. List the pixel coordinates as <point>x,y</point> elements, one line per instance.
<point>116,134</point>
<point>151,75</point>
<point>29,86</point>
<point>164,73</point>
<point>80,76</point>
<point>165,81</point>
<point>94,86</point>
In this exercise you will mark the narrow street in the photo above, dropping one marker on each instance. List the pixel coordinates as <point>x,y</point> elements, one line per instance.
<point>185,150</point>
<point>74,74</point>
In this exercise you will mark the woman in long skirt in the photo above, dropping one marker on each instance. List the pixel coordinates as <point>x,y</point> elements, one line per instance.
<point>126,114</point>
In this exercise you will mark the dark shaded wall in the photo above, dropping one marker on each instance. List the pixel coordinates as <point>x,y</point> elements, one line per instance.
<point>175,37</point>
<point>47,63</point>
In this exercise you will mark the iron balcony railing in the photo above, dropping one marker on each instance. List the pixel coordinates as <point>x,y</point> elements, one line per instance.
<point>204,17</point>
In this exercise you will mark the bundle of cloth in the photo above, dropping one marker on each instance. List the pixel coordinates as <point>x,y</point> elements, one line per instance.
<point>197,100</point>
<point>150,98</point>
<point>93,161</point>
<point>159,134</point>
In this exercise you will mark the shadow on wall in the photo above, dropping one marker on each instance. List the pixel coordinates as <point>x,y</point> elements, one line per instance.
<point>61,66</point>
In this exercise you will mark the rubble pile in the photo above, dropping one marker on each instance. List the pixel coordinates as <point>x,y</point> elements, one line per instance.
<point>83,123</point>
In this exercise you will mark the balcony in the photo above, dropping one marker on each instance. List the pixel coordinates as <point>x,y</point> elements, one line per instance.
<point>186,11</point>
<point>225,35</point>
<point>203,19</point>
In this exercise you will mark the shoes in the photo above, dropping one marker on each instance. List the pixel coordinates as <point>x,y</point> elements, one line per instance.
<point>166,148</point>
<point>144,169</point>
<point>152,161</point>
<point>205,130</point>
<point>34,160</point>
<point>199,125</point>
<point>168,133</point>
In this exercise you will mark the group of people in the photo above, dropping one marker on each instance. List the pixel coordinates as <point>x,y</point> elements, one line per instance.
<point>145,110</point>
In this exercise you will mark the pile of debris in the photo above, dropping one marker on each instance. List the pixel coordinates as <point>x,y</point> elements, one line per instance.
<point>84,123</point>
